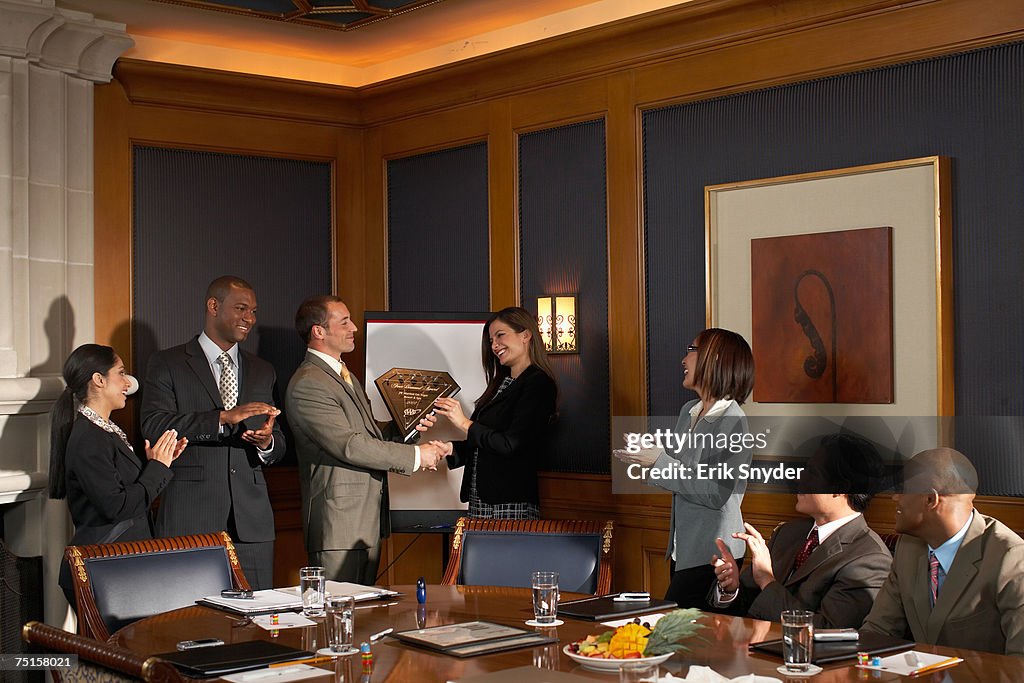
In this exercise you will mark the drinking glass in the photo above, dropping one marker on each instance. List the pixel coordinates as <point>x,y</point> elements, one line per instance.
<point>341,624</point>
<point>312,584</point>
<point>797,639</point>
<point>639,673</point>
<point>545,597</point>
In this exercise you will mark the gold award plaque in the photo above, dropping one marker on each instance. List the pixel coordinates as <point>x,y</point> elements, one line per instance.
<point>409,394</point>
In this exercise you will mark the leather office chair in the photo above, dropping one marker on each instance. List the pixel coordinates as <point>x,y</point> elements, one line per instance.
<point>504,552</point>
<point>118,583</point>
<point>97,661</point>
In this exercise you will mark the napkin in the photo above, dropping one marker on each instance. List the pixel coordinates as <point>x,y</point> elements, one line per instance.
<point>284,620</point>
<point>705,674</point>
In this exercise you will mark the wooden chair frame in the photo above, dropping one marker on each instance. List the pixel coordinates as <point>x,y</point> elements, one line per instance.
<point>90,623</point>
<point>107,655</point>
<point>604,528</point>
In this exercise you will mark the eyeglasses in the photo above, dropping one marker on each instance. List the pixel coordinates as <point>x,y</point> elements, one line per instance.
<point>692,348</point>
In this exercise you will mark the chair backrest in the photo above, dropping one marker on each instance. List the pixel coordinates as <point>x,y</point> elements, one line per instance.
<point>504,552</point>
<point>118,583</point>
<point>97,661</point>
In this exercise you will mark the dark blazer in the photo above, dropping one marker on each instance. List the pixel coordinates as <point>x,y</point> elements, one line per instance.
<point>107,483</point>
<point>838,582</point>
<point>216,475</point>
<point>509,431</point>
<point>981,603</point>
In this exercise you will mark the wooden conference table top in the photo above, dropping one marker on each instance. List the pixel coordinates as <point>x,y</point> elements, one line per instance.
<point>725,648</point>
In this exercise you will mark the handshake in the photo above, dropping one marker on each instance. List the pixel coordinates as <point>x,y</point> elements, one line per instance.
<point>432,452</point>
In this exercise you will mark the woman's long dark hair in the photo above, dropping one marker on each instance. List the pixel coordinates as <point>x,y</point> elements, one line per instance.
<point>79,368</point>
<point>520,320</point>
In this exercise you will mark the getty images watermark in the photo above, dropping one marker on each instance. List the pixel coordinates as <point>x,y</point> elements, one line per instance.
<point>720,456</point>
<point>731,446</point>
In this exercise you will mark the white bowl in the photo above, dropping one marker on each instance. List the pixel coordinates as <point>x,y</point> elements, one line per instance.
<point>601,664</point>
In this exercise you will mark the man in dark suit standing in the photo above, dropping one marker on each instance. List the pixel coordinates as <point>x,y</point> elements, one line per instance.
<point>830,562</point>
<point>344,455</point>
<point>220,398</point>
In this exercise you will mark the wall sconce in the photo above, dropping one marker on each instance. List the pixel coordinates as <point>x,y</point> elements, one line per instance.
<point>556,318</point>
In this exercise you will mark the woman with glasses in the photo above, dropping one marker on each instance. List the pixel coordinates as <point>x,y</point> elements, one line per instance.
<point>108,487</point>
<point>719,367</point>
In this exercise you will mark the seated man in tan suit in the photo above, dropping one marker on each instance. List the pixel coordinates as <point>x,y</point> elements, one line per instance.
<point>344,455</point>
<point>957,577</point>
<point>828,562</point>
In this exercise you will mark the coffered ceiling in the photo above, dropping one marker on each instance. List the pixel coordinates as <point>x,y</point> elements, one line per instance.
<point>347,42</point>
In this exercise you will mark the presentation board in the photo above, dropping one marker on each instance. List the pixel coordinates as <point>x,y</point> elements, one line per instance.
<point>448,342</point>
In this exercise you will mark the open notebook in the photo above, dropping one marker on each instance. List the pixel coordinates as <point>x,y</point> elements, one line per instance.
<point>288,600</point>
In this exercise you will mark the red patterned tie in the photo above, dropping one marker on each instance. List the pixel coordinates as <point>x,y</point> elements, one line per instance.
<point>809,545</point>
<point>933,577</point>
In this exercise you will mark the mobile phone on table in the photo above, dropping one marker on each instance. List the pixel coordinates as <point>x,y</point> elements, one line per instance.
<point>203,642</point>
<point>239,594</point>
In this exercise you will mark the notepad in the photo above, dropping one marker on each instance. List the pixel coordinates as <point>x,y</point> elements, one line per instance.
<point>262,602</point>
<point>911,663</point>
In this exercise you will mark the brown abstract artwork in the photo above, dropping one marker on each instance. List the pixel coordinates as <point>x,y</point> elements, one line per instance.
<point>822,317</point>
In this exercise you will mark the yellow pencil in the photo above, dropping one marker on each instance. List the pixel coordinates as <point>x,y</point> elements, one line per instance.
<point>936,666</point>
<point>309,660</point>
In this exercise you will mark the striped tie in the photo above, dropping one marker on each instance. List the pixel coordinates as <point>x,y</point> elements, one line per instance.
<point>934,572</point>
<point>345,374</point>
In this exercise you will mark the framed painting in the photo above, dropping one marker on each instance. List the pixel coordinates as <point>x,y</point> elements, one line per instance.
<point>879,233</point>
<point>821,314</point>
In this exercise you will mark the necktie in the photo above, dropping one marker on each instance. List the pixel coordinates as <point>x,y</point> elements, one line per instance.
<point>345,374</point>
<point>935,574</point>
<point>228,381</point>
<point>809,545</point>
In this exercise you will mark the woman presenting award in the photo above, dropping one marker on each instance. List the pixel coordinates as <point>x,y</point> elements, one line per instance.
<point>504,435</point>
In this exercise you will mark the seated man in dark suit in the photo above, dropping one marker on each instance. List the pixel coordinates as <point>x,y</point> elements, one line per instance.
<point>830,563</point>
<point>958,575</point>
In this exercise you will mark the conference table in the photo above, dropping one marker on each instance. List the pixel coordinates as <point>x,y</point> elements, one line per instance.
<point>724,644</point>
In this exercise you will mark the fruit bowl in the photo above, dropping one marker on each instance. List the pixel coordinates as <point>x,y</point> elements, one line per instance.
<point>602,664</point>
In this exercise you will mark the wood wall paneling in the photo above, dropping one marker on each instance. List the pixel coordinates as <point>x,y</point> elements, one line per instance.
<point>703,48</point>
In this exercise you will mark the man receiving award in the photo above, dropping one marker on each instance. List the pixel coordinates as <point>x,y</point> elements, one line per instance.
<point>344,456</point>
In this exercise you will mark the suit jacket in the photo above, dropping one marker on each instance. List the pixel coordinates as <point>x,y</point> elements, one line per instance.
<point>980,604</point>
<point>838,581</point>
<point>703,510</point>
<point>344,458</point>
<point>509,433</point>
<point>217,475</point>
<point>107,484</point>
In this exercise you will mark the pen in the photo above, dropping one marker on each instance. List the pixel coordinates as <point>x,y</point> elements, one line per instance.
<point>936,666</point>
<point>264,673</point>
<point>309,660</point>
<point>596,597</point>
<point>383,633</point>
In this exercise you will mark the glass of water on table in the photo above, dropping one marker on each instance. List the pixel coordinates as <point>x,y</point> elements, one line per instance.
<point>312,584</point>
<point>797,639</point>
<point>545,597</point>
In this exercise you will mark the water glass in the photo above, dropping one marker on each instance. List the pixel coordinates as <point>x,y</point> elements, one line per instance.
<point>312,585</point>
<point>341,624</point>
<point>639,673</point>
<point>797,639</point>
<point>545,597</point>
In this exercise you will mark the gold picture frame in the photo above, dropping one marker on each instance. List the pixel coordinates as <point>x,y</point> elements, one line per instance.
<point>914,197</point>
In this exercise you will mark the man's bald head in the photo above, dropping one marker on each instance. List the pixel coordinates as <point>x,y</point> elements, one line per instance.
<point>943,470</point>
